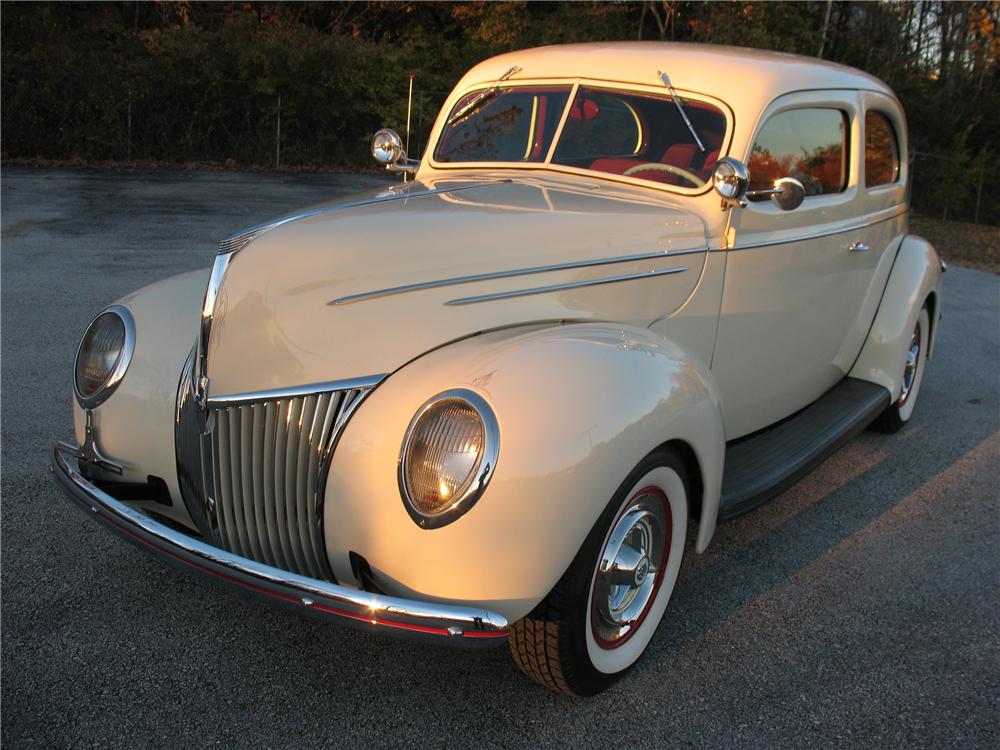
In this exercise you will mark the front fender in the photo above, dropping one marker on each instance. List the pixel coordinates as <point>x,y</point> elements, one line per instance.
<point>135,426</point>
<point>915,277</point>
<point>578,405</point>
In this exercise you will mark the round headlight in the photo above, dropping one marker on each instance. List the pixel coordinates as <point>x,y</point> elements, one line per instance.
<point>103,356</point>
<point>448,457</point>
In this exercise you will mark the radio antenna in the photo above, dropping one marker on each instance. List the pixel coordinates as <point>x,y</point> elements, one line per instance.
<point>409,108</point>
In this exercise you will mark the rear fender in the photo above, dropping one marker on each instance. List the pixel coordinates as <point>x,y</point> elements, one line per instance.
<point>578,406</point>
<point>914,280</point>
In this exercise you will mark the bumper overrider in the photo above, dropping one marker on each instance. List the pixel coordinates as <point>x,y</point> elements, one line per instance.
<point>427,621</point>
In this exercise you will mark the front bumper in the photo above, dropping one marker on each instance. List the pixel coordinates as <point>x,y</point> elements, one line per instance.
<point>440,623</point>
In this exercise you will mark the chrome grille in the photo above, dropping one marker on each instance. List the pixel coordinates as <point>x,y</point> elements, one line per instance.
<point>268,457</point>
<point>253,472</point>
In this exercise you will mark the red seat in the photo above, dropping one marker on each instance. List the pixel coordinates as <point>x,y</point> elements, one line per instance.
<point>680,155</point>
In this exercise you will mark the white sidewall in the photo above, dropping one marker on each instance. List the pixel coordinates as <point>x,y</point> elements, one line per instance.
<point>925,324</point>
<point>612,661</point>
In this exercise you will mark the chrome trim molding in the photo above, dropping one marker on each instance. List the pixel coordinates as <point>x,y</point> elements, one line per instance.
<point>436,283</point>
<point>485,468</point>
<point>219,268</point>
<point>121,364</point>
<point>310,389</point>
<point>428,621</point>
<point>560,287</point>
<point>817,235</point>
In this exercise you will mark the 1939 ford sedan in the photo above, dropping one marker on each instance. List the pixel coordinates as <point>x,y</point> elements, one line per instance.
<point>629,286</point>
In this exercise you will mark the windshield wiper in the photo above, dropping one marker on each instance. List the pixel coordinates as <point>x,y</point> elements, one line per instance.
<point>482,97</point>
<point>677,103</point>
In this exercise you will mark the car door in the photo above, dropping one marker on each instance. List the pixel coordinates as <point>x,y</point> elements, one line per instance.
<point>796,294</point>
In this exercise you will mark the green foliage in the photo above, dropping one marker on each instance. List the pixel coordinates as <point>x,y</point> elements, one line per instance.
<point>199,81</point>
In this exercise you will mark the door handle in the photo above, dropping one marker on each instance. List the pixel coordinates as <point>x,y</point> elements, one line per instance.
<point>858,247</point>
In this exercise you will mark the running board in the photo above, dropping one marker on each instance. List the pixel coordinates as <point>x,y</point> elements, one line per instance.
<point>766,464</point>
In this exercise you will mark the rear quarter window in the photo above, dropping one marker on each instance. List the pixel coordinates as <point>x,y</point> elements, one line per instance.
<point>881,150</point>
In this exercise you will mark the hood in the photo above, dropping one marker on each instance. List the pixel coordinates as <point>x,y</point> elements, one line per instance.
<point>358,288</point>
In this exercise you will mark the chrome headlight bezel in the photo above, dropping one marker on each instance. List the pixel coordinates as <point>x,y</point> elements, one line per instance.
<point>481,473</point>
<point>124,359</point>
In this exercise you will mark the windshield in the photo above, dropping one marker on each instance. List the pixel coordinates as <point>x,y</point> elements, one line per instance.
<point>517,124</point>
<point>627,133</point>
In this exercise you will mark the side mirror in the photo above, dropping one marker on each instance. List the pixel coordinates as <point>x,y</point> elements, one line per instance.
<point>387,149</point>
<point>787,194</point>
<point>731,181</point>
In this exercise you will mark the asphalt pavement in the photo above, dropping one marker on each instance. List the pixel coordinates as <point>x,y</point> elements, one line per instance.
<point>859,609</point>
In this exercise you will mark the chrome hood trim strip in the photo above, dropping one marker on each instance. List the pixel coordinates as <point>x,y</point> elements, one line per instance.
<point>559,287</point>
<point>437,283</point>
<point>449,624</point>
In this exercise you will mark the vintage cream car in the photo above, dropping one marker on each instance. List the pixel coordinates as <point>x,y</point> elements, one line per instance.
<point>630,289</point>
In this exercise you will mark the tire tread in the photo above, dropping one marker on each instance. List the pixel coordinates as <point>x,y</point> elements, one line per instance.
<point>545,644</point>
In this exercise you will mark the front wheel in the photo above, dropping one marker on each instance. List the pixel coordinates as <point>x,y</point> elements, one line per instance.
<point>899,413</point>
<point>597,621</point>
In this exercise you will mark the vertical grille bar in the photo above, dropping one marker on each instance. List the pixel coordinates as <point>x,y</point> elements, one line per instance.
<point>252,468</point>
<point>269,460</point>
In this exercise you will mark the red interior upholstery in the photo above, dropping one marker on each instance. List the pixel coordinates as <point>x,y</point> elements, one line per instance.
<point>685,156</point>
<point>615,165</point>
<point>680,155</point>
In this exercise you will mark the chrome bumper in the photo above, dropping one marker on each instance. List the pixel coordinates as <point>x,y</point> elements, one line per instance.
<point>440,623</point>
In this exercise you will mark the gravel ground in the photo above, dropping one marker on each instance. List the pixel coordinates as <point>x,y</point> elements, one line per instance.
<point>861,608</point>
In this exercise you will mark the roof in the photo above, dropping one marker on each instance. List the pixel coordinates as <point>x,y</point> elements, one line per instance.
<point>739,75</point>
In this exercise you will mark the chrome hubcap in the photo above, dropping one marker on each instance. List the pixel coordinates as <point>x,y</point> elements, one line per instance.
<point>910,371</point>
<point>630,568</point>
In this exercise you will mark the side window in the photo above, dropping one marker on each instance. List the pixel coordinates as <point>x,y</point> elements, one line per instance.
<point>881,150</point>
<point>807,144</point>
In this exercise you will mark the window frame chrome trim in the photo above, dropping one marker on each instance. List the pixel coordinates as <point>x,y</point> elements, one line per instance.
<point>485,468</point>
<point>629,86</point>
<point>490,297</point>
<point>527,271</point>
<point>114,379</point>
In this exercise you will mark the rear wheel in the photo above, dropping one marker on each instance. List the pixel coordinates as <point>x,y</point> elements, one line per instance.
<point>898,414</point>
<point>601,615</point>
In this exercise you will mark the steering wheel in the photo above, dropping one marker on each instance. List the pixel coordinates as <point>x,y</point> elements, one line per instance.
<point>655,166</point>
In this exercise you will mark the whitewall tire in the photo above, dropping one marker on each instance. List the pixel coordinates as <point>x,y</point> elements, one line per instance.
<point>912,368</point>
<point>600,617</point>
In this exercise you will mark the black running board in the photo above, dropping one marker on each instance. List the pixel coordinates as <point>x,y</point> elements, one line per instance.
<point>766,464</point>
